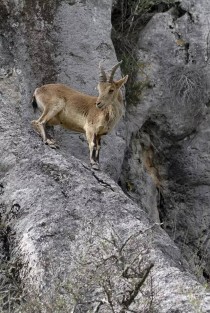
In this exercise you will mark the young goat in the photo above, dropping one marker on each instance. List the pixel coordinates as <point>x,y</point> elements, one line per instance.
<point>94,116</point>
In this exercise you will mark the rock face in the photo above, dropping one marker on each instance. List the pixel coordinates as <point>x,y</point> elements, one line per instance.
<point>168,150</point>
<point>76,241</point>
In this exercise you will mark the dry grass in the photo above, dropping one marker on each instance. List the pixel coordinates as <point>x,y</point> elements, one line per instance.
<point>186,85</point>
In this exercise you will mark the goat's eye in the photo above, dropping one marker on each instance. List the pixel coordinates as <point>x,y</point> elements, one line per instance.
<point>111,90</point>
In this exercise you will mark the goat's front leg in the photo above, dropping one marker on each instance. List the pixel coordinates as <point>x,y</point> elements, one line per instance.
<point>98,147</point>
<point>92,141</point>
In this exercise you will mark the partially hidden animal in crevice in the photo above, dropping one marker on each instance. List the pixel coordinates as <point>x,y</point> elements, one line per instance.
<point>76,111</point>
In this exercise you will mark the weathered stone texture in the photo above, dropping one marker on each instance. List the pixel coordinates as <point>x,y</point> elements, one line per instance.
<point>52,203</point>
<point>169,148</point>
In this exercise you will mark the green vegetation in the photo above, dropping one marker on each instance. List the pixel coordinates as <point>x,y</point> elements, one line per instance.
<point>133,67</point>
<point>128,18</point>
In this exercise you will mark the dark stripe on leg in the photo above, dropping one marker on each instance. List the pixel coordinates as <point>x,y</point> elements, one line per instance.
<point>94,152</point>
<point>98,149</point>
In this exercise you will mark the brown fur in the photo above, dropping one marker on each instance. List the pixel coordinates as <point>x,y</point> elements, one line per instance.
<point>94,116</point>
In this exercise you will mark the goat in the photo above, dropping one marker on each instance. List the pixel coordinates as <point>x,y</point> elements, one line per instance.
<point>76,111</point>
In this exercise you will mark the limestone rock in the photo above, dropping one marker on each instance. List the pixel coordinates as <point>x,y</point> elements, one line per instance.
<point>167,162</point>
<point>72,234</point>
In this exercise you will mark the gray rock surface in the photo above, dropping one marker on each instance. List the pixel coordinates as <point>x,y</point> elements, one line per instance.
<point>65,224</point>
<point>166,167</point>
<point>62,213</point>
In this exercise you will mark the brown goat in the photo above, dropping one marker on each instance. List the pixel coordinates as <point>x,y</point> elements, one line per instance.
<point>94,116</point>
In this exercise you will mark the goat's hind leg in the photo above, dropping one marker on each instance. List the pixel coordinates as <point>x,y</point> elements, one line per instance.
<point>36,126</point>
<point>40,130</point>
<point>39,125</point>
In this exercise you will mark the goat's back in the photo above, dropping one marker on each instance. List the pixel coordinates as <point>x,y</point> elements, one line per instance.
<point>73,106</point>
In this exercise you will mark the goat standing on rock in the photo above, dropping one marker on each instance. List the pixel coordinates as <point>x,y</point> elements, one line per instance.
<point>94,116</point>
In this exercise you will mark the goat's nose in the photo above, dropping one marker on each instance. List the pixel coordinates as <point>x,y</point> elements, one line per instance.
<point>98,103</point>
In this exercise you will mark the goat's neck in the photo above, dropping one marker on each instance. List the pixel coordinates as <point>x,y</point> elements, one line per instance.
<point>118,105</point>
<point>115,110</point>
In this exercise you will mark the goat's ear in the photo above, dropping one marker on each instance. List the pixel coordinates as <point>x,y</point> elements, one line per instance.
<point>121,82</point>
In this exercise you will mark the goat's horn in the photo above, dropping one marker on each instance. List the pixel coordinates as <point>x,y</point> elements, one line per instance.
<point>102,76</point>
<point>113,70</point>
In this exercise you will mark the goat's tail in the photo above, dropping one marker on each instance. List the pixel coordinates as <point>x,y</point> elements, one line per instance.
<point>34,103</point>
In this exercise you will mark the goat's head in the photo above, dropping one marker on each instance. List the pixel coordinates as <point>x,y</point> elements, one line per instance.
<point>108,88</point>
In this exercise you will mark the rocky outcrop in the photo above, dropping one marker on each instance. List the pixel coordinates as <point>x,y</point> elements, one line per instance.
<point>67,223</point>
<point>75,241</point>
<point>166,166</point>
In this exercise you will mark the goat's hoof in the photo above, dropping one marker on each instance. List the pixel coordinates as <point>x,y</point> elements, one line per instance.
<point>95,166</point>
<point>51,143</point>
